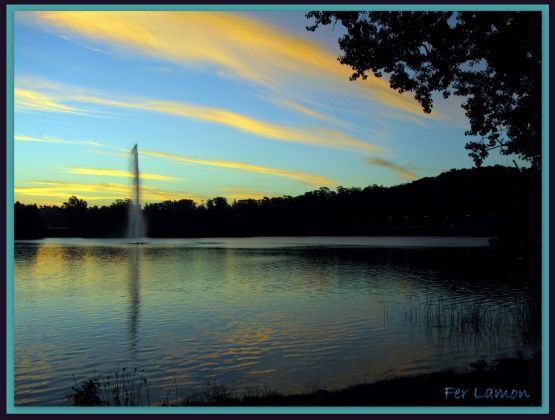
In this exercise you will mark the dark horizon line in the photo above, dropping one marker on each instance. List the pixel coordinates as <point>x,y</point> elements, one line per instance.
<point>510,167</point>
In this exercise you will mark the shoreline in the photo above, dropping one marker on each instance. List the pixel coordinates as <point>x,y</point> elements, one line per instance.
<point>507,382</point>
<point>510,382</point>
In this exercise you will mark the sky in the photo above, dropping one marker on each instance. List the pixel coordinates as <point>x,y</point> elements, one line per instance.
<point>231,104</point>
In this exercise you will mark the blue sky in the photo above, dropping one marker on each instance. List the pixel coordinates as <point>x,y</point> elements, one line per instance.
<point>220,103</point>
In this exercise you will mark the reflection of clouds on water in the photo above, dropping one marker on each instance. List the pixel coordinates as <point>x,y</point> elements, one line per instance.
<point>250,317</point>
<point>35,369</point>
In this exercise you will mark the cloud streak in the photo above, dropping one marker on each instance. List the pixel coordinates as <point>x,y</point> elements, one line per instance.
<point>304,177</point>
<point>96,191</point>
<point>316,136</point>
<point>233,43</point>
<point>400,170</point>
<point>118,173</point>
<point>30,100</point>
<point>45,139</point>
<point>298,107</point>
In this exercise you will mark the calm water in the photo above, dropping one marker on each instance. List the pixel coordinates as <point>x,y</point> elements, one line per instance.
<point>288,313</point>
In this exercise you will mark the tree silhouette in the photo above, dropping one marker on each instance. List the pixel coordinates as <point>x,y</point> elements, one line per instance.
<point>490,201</point>
<point>75,211</point>
<point>492,59</point>
<point>217,204</point>
<point>74,204</point>
<point>28,222</point>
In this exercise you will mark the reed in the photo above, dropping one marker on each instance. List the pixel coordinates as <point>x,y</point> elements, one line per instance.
<point>463,323</point>
<point>121,388</point>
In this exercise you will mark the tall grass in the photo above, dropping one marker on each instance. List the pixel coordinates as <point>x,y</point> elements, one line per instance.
<point>462,323</point>
<point>130,388</point>
<point>122,388</point>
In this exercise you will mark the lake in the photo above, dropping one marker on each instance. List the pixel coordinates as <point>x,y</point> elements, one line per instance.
<point>288,313</point>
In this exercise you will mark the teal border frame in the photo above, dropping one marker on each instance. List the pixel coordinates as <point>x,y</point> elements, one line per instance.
<point>10,406</point>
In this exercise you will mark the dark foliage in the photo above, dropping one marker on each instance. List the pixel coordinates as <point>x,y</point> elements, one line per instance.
<point>121,388</point>
<point>28,221</point>
<point>86,393</point>
<point>481,201</point>
<point>492,59</point>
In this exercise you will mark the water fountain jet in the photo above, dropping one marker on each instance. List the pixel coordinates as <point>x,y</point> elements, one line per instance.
<point>136,224</point>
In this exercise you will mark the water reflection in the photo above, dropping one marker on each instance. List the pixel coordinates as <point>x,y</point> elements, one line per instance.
<point>248,317</point>
<point>134,298</point>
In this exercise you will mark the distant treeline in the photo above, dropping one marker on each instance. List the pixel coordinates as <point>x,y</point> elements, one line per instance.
<point>494,200</point>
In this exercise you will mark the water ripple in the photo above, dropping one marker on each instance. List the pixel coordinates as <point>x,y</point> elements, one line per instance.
<point>273,311</point>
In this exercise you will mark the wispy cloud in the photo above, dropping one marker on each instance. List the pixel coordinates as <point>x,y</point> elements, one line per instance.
<point>31,100</point>
<point>77,187</point>
<point>96,191</point>
<point>299,107</point>
<point>314,135</point>
<point>233,43</point>
<point>401,170</point>
<point>317,136</point>
<point>118,173</point>
<point>304,177</point>
<point>47,139</point>
<point>40,95</point>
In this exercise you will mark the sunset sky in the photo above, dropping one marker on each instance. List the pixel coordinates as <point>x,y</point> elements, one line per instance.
<point>220,103</point>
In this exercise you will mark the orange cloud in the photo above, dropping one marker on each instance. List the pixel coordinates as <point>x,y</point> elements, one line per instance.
<point>401,170</point>
<point>97,191</point>
<point>234,43</point>
<point>314,135</point>
<point>304,177</point>
<point>297,106</point>
<point>118,173</point>
<point>30,100</point>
